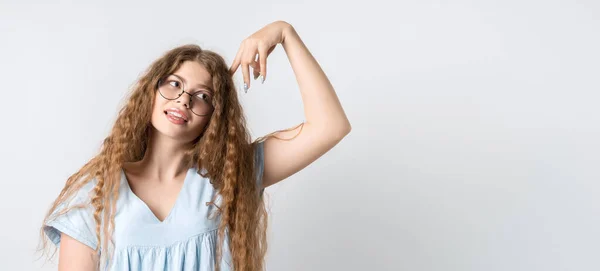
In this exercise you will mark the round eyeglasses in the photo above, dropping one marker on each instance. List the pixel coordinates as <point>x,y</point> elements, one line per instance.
<point>171,87</point>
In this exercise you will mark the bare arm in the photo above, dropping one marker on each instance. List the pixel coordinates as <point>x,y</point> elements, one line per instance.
<point>75,256</point>
<point>326,123</point>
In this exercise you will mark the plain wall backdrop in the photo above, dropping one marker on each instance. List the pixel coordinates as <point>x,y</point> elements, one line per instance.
<point>475,123</point>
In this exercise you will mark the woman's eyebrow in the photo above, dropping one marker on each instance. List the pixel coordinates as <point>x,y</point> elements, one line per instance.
<point>197,85</point>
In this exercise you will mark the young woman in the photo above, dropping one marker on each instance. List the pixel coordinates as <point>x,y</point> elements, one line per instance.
<point>178,183</point>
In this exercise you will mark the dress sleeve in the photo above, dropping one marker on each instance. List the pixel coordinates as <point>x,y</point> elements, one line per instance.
<point>259,155</point>
<point>78,222</point>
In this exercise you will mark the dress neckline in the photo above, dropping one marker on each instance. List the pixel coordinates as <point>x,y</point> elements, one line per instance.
<point>143,203</point>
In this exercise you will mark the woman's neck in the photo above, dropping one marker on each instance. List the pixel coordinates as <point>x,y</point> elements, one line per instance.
<point>164,158</point>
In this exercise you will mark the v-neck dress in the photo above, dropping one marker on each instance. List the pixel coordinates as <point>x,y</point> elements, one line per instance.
<point>185,240</point>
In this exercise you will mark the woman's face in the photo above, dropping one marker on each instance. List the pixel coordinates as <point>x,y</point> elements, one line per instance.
<point>183,117</point>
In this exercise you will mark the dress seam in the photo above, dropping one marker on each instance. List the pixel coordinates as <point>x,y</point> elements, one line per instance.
<point>170,245</point>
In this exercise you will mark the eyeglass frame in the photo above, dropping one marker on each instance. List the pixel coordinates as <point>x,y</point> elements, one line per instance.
<point>188,106</point>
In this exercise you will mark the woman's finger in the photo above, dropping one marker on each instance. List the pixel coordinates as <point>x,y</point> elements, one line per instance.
<point>262,58</point>
<point>256,69</point>
<point>246,72</point>
<point>247,60</point>
<point>236,61</point>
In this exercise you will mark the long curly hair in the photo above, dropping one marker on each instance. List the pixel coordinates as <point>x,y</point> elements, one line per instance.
<point>224,149</point>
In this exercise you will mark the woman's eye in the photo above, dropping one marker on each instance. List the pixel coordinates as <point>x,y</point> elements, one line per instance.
<point>174,84</point>
<point>202,96</point>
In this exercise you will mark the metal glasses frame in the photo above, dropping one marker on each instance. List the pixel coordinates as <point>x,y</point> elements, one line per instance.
<point>188,106</point>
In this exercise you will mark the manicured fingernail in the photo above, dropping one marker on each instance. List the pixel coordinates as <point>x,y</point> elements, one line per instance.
<point>245,87</point>
<point>255,76</point>
<point>262,79</point>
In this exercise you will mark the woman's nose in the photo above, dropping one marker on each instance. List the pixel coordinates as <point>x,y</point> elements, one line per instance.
<point>185,99</point>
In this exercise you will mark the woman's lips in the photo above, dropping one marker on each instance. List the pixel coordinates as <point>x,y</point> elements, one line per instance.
<point>174,119</point>
<point>178,113</point>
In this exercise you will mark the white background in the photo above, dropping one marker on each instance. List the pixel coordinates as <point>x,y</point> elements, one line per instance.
<point>475,123</point>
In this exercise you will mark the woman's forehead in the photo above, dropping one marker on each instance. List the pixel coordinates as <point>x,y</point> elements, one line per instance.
<point>194,74</point>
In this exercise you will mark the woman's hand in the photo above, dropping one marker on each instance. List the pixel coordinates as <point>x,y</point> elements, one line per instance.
<point>262,43</point>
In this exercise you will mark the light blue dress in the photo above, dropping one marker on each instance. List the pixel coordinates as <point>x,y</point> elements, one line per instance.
<point>185,240</point>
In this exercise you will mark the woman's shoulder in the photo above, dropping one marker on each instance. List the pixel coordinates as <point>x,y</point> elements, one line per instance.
<point>82,194</point>
<point>74,217</point>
